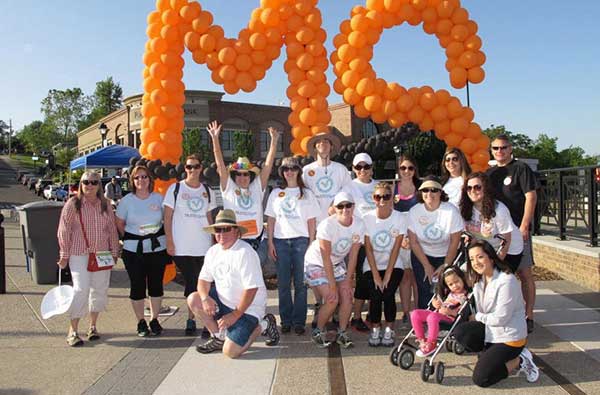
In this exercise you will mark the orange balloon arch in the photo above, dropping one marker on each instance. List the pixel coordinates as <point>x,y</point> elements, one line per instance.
<point>238,64</point>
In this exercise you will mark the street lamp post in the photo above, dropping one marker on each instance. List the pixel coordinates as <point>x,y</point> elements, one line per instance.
<point>103,130</point>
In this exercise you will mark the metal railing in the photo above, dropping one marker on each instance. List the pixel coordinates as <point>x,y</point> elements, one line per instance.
<point>568,204</point>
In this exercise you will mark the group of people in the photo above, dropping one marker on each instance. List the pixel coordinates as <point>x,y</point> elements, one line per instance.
<point>349,240</point>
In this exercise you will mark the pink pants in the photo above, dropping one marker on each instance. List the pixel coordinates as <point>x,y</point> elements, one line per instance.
<point>432,318</point>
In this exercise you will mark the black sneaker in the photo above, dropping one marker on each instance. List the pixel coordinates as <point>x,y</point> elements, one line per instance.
<point>286,328</point>
<point>343,339</point>
<point>318,338</point>
<point>271,330</point>
<point>190,327</point>
<point>359,325</point>
<point>299,330</point>
<point>530,325</point>
<point>142,329</point>
<point>205,333</point>
<point>211,345</point>
<point>155,327</point>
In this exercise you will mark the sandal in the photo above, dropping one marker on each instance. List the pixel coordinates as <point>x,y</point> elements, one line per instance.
<point>74,340</point>
<point>92,334</point>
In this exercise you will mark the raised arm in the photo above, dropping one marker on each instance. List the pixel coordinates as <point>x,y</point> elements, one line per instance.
<point>214,130</point>
<point>266,170</point>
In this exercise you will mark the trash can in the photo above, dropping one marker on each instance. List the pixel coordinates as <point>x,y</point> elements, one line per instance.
<point>39,224</point>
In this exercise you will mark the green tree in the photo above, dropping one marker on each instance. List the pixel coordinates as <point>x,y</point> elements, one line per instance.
<point>107,98</point>
<point>243,144</point>
<point>521,143</point>
<point>64,156</point>
<point>192,144</point>
<point>38,136</point>
<point>66,109</point>
<point>3,134</point>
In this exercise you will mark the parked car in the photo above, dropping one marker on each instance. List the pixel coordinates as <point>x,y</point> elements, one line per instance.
<point>50,192</point>
<point>40,185</point>
<point>62,193</point>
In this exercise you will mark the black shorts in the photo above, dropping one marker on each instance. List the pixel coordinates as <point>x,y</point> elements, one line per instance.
<point>513,261</point>
<point>190,267</point>
<point>363,289</point>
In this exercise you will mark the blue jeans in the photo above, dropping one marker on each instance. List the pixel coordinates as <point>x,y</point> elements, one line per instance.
<point>423,284</point>
<point>240,332</point>
<point>290,265</point>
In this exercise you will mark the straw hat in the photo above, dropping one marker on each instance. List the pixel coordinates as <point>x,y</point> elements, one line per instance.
<point>333,139</point>
<point>289,161</point>
<point>243,164</point>
<point>430,184</point>
<point>225,218</point>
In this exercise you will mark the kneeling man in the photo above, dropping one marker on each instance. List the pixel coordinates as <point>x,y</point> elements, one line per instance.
<point>232,309</point>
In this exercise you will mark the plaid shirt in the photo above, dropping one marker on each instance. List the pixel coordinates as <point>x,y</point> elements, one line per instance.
<point>100,229</point>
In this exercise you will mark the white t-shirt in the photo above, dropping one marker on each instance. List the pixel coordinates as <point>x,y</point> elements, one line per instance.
<point>341,237</point>
<point>433,228</point>
<point>189,218</point>
<point>290,212</point>
<point>500,224</point>
<point>382,234</point>
<point>325,182</point>
<point>362,194</point>
<point>142,217</point>
<point>453,188</point>
<point>247,205</point>
<point>234,270</point>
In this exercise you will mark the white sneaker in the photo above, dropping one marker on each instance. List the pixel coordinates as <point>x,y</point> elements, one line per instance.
<point>374,338</point>
<point>388,337</point>
<point>532,373</point>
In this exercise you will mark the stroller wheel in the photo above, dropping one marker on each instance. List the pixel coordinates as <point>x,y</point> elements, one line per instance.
<point>394,356</point>
<point>449,345</point>
<point>458,348</point>
<point>439,372</point>
<point>426,370</point>
<point>407,359</point>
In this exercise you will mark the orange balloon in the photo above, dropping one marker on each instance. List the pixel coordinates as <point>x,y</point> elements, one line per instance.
<point>373,103</point>
<point>458,77</point>
<point>397,119</point>
<point>308,116</point>
<point>365,87</point>
<point>452,140</point>
<point>307,89</point>
<point>468,146</point>
<point>481,157</point>
<point>475,75</point>
<point>351,97</point>
<point>459,126</point>
<point>442,128</point>
<point>304,143</point>
<point>428,101</point>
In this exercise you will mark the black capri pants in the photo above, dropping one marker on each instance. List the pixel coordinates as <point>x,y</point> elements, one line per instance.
<point>144,270</point>
<point>190,267</point>
<point>490,367</point>
<point>361,290</point>
<point>387,297</point>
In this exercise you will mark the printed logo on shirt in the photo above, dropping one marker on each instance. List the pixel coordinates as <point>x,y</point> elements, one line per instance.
<point>341,246</point>
<point>204,194</point>
<point>244,201</point>
<point>508,180</point>
<point>311,173</point>
<point>281,194</point>
<point>325,184</point>
<point>433,232</point>
<point>368,196</point>
<point>222,270</point>
<point>355,238</point>
<point>382,240</point>
<point>288,206</point>
<point>423,221</point>
<point>154,207</point>
<point>195,203</point>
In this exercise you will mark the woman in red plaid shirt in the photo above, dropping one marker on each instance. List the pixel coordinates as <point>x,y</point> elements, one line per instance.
<point>98,221</point>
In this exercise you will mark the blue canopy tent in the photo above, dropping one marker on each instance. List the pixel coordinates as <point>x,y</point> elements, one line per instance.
<point>113,156</point>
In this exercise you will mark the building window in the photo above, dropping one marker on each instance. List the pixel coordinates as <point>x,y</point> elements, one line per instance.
<point>265,141</point>
<point>138,140</point>
<point>227,140</point>
<point>369,129</point>
<point>121,140</point>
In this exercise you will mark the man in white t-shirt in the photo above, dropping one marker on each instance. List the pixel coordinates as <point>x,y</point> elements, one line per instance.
<point>234,306</point>
<point>187,207</point>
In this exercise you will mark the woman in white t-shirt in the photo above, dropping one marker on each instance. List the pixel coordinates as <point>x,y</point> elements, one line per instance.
<point>325,270</point>
<point>385,230</point>
<point>140,221</point>
<point>434,229</point>
<point>455,170</point>
<point>291,225</point>
<point>486,217</point>
<point>243,185</point>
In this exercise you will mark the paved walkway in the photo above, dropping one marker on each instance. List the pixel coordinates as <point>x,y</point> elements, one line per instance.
<point>35,359</point>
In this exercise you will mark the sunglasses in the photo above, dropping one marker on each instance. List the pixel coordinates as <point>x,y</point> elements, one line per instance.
<point>242,174</point>
<point>223,229</point>
<point>342,206</point>
<point>477,188</point>
<point>288,168</point>
<point>90,182</point>
<point>407,168</point>
<point>500,147</point>
<point>142,177</point>
<point>451,159</point>
<point>363,167</point>
<point>430,190</point>
<point>193,167</point>
<point>385,197</point>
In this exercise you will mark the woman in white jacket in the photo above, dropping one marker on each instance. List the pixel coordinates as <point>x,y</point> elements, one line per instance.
<point>498,331</point>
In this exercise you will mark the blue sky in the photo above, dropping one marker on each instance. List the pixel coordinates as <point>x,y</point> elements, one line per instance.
<point>542,69</point>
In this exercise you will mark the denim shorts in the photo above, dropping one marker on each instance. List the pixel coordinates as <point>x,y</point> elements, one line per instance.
<point>315,275</point>
<point>240,332</point>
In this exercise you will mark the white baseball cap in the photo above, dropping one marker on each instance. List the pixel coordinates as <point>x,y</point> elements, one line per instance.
<point>342,197</point>
<point>362,157</point>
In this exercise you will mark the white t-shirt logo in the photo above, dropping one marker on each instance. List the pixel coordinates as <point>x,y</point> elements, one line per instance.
<point>222,270</point>
<point>433,232</point>
<point>341,246</point>
<point>288,205</point>
<point>325,184</point>
<point>244,201</point>
<point>382,240</point>
<point>369,199</point>
<point>195,203</point>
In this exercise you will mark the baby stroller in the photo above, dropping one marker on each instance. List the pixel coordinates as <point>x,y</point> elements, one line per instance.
<point>404,354</point>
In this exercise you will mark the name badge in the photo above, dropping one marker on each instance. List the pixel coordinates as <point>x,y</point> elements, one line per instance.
<point>104,259</point>
<point>148,229</point>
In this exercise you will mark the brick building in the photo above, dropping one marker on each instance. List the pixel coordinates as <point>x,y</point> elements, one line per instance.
<point>124,125</point>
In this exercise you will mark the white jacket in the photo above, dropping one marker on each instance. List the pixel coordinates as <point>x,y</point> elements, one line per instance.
<point>501,308</point>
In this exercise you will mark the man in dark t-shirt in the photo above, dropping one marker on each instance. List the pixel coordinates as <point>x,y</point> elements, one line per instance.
<point>515,185</point>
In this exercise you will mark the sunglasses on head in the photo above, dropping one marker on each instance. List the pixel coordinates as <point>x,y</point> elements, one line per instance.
<point>385,197</point>
<point>477,187</point>
<point>500,147</point>
<point>289,168</point>
<point>342,206</point>
<point>90,182</point>
<point>407,168</point>
<point>242,174</point>
<point>430,190</point>
<point>223,229</point>
<point>141,177</point>
<point>193,167</point>
<point>363,167</point>
<point>451,159</point>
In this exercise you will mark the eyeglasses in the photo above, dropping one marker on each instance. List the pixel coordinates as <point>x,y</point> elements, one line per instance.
<point>242,174</point>
<point>500,147</point>
<point>451,159</point>
<point>223,229</point>
<point>363,167</point>
<point>342,206</point>
<point>142,177</point>
<point>407,168</point>
<point>477,187</point>
<point>385,197</point>
<point>193,167</point>
<point>430,190</point>
<point>90,182</point>
<point>288,168</point>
